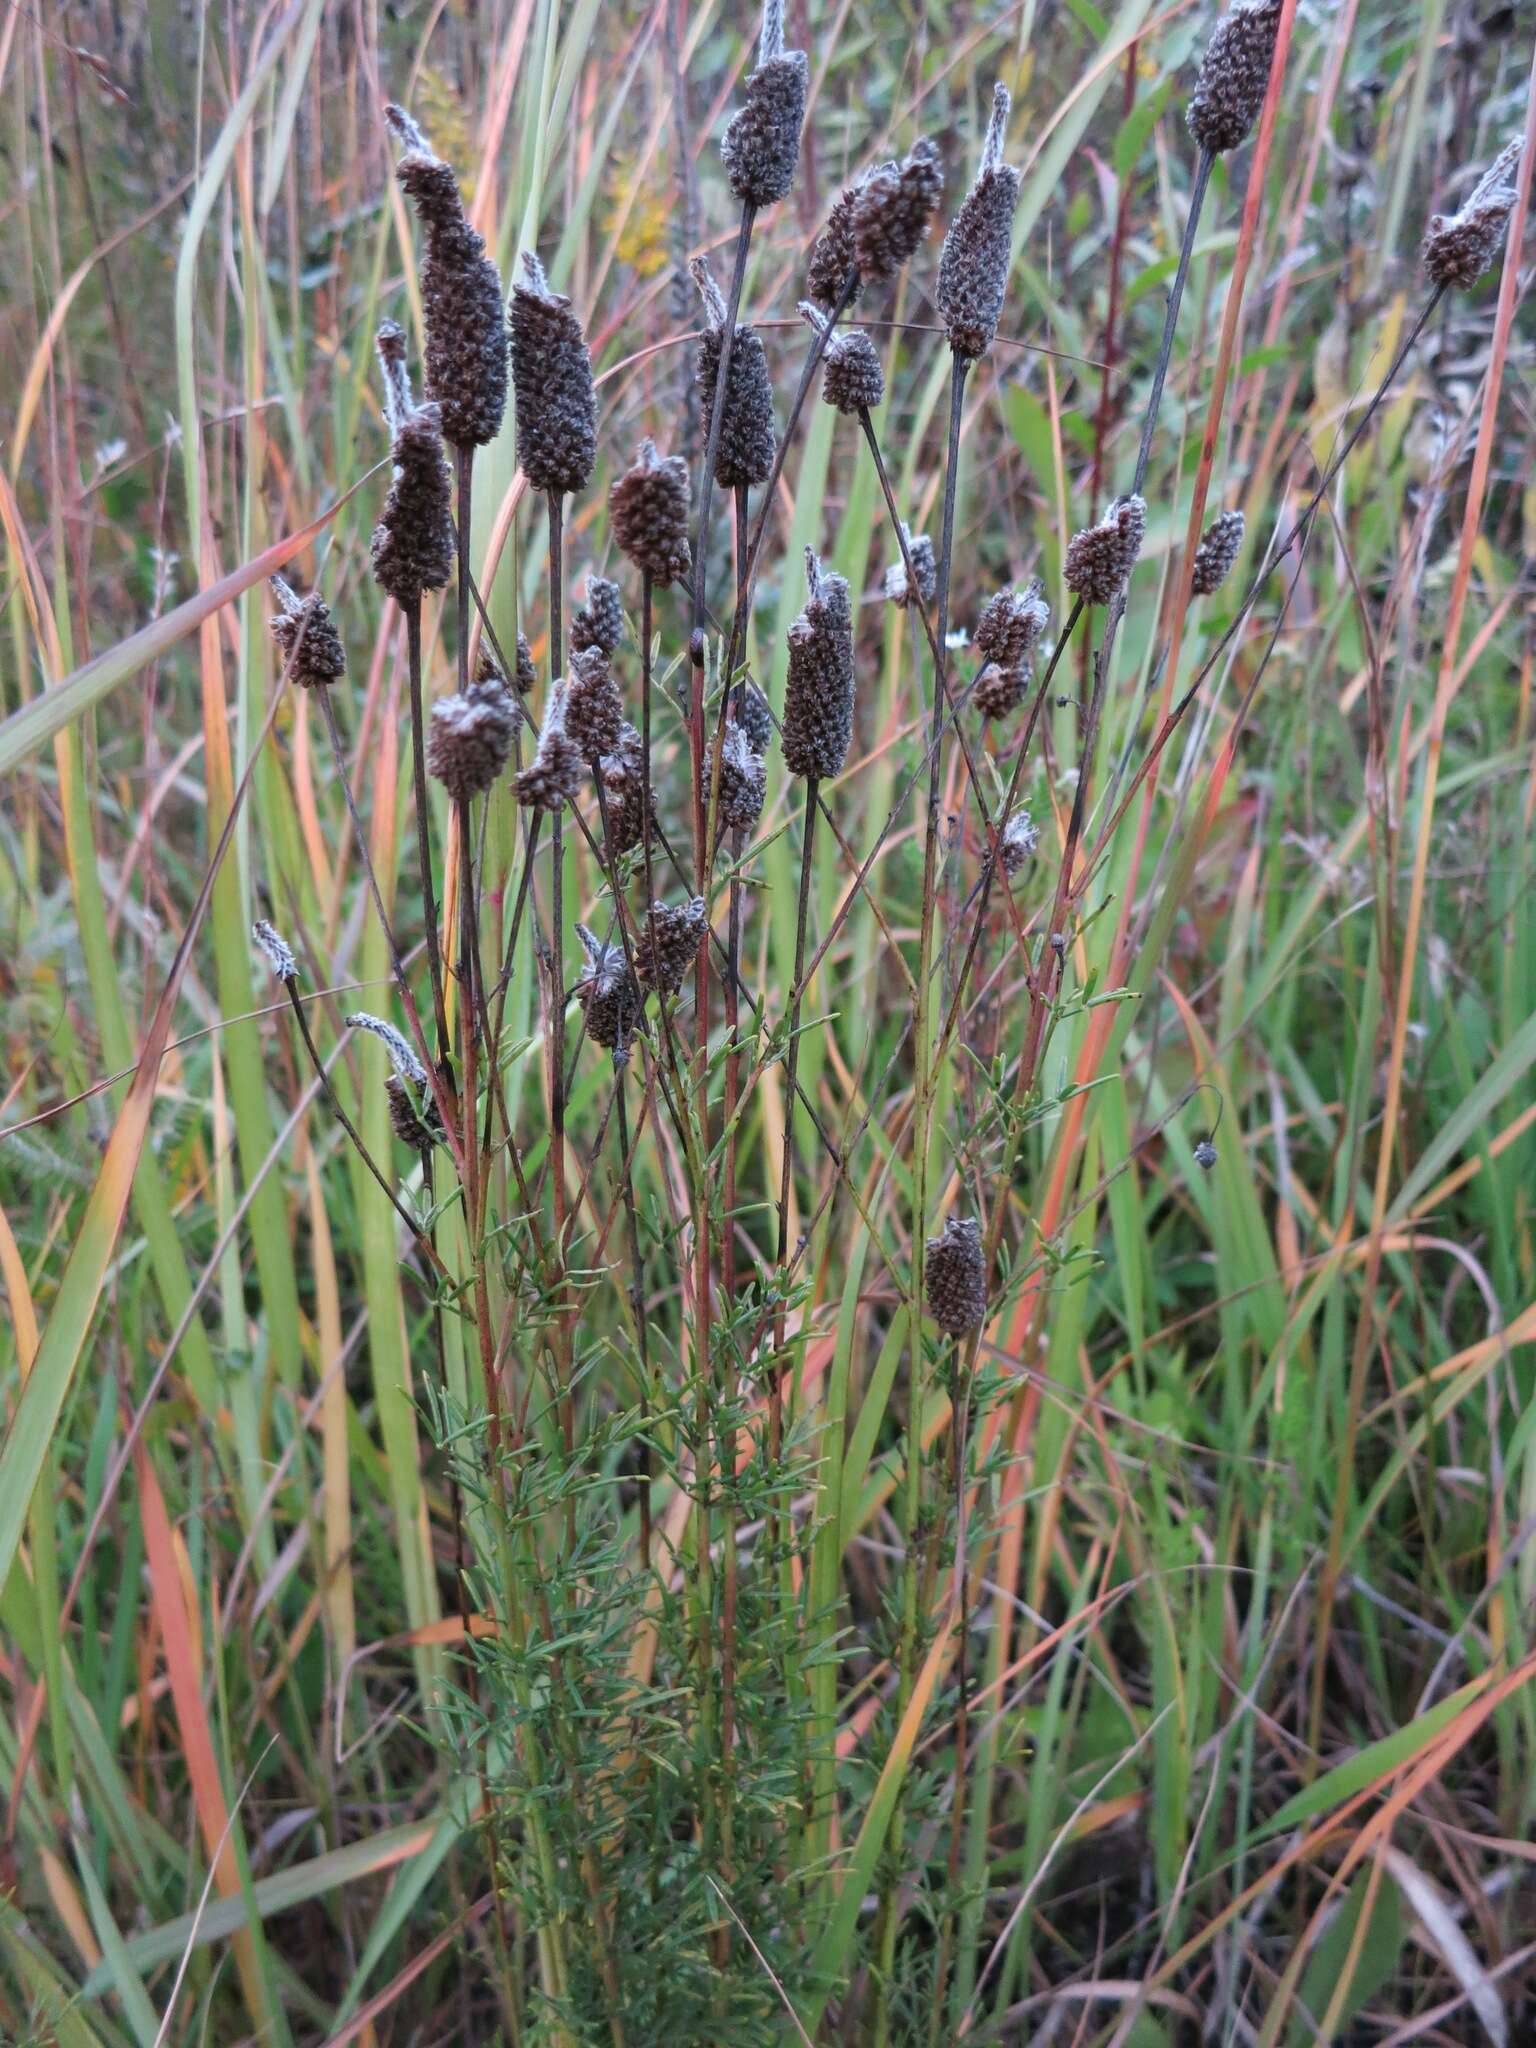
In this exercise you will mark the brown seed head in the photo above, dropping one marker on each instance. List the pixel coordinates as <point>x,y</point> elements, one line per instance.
<point>1460,246</point>
<point>1234,75</point>
<point>920,586</point>
<point>1017,841</point>
<point>669,942</point>
<point>610,1000</point>
<point>417,1123</point>
<point>978,250</point>
<point>1011,627</point>
<point>749,708</point>
<point>552,385</point>
<point>743,780</point>
<point>460,296</point>
<point>623,780</point>
<point>762,142</point>
<point>833,257</point>
<point>1101,558</point>
<point>1000,691</point>
<point>470,737</point>
<point>955,1276</point>
<point>307,638</point>
<point>648,510</point>
<point>818,693</point>
<point>851,378</point>
<point>553,777</point>
<point>524,677</point>
<point>600,621</point>
<point>413,543</point>
<point>593,710</point>
<point>892,208</point>
<point>1216,553</point>
<point>747,432</point>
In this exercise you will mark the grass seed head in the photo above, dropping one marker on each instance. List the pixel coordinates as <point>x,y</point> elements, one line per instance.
<point>749,708</point>
<point>600,621</point>
<point>415,1122</point>
<point>1017,841</point>
<point>762,142</point>
<point>1459,247</point>
<point>978,250</point>
<point>748,432</point>
<point>469,739</point>
<point>743,780</point>
<point>524,676</point>
<point>466,336</point>
<point>552,385</point>
<point>401,1056</point>
<point>920,587</point>
<point>413,543</point>
<point>648,509</point>
<point>594,712</point>
<point>1101,558</point>
<point>955,1276</point>
<point>279,954</point>
<point>623,776</point>
<point>307,638</point>
<point>818,693</point>
<point>669,942</point>
<point>1216,553</point>
<point>852,380</point>
<point>610,1000</point>
<point>1234,75</point>
<point>1011,627</point>
<point>553,776</point>
<point>1000,690</point>
<point>891,212</point>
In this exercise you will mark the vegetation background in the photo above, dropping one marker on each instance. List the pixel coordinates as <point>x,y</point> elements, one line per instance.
<point>1250,1636</point>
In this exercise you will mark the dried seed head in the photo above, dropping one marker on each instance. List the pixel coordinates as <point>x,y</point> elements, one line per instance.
<point>278,952</point>
<point>1101,558</point>
<point>1205,1155</point>
<point>470,737</point>
<point>1216,553</point>
<point>978,250</point>
<point>623,779</point>
<point>1234,75</point>
<point>648,510</point>
<point>460,297</point>
<point>851,378</point>
<point>920,586</point>
<point>669,941</point>
<point>1000,691</point>
<point>891,210</point>
<point>762,142</point>
<point>524,677</point>
<point>818,694</point>
<point>1010,628</point>
<point>955,1276</point>
<point>610,1000</point>
<point>1460,246</point>
<point>401,1057</point>
<point>552,385</point>
<point>553,777</point>
<point>834,260</point>
<point>593,710</point>
<point>749,708</point>
<point>413,543</point>
<point>743,780</point>
<point>307,638</point>
<point>600,621</point>
<point>748,433</point>
<point>1017,841</point>
<point>418,1124</point>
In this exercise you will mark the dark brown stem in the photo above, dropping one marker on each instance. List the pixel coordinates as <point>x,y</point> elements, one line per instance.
<point>424,821</point>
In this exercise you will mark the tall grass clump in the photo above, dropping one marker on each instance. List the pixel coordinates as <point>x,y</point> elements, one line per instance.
<point>771,1002</point>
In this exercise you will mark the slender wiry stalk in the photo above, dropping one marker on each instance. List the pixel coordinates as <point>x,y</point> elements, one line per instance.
<point>717,418</point>
<point>791,1068</point>
<point>556,977</point>
<point>424,821</point>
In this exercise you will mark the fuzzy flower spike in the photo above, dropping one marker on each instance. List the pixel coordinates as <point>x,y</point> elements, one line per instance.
<point>761,145</point>
<point>818,692</point>
<point>413,543</point>
<point>307,638</point>
<point>1234,75</point>
<point>877,225</point>
<point>551,384</point>
<point>470,737</point>
<point>609,998</point>
<point>852,380</point>
<point>460,295</point>
<point>1101,558</point>
<point>1460,246</point>
<point>978,250</point>
<point>748,431</point>
<point>648,511</point>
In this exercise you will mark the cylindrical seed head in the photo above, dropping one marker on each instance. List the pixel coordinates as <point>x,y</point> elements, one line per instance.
<point>460,296</point>
<point>552,385</point>
<point>648,510</point>
<point>762,142</point>
<point>1011,627</point>
<point>749,708</point>
<point>743,780</point>
<point>851,379</point>
<point>1234,75</point>
<point>278,952</point>
<point>553,777</point>
<point>1460,246</point>
<point>401,1055</point>
<point>748,435</point>
<point>955,1276</point>
<point>610,1000</point>
<point>1017,841</point>
<point>1216,553</point>
<point>891,210</point>
<point>669,942</point>
<point>600,621</point>
<point>623,784</point>
<point>920,586</point>
<point>307,638</point>
<point>469,740</point>
<point>418,1124</point>
<point>834,260</point>
<point>978,250</point>
<point>1000,691</point>
<point>413,543</point>
<point>524,676</point>
<point>818,693</point>
<point>1101,558</point>
<point>593,710</point>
